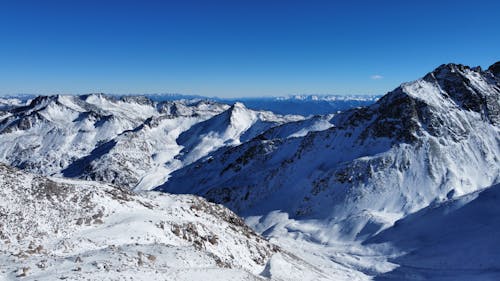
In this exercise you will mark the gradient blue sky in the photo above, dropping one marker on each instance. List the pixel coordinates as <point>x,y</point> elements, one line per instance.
<point>238,48</point>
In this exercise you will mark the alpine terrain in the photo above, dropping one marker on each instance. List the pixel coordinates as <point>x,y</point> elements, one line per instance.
<point>55,228</point>
<point>431,144</point>
<point>130,141</point>
<point>401,187</point>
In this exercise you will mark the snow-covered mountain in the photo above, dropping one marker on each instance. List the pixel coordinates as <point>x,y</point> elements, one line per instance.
<point>53,228</point>
<point>8,103</point>
<point>428,141</point>
<point>131,141</point>
<point>378,192</point>
<point>431,139</point>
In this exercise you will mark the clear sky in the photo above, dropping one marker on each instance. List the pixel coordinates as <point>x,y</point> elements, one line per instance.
<point>238,48</point>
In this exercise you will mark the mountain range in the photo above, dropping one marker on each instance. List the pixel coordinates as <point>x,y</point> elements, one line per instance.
<point>426,143</point>
<point>396,187</point>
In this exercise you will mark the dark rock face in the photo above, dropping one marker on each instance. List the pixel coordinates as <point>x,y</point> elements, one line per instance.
<point>464,93</point>
<point>138,99</point>
<point>397,117</point>
<point>495,69</point>
<point>25,122</point>
<point>459,88</point>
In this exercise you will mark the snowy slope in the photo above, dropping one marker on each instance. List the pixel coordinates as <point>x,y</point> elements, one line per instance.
<point>454,240</point>
<point>8,103</point>
<point>52,132</point>
<point>131,141</point>
<point>324,194</point>
<point>232,127</point>
<point>55,228</point>
<point>427,141</point>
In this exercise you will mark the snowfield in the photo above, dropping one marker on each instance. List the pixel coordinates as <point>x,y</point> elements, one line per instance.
<point>453,240</point>
<point>55,228</point>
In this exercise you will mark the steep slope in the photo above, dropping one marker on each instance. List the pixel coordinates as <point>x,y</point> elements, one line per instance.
<point>52,132</point>
<point>57,228</point>
<point>232,127</point>
<point>427,141</point>
<point>145,155</point>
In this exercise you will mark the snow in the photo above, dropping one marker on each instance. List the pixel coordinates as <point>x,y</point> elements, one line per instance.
<point>404,189</point>
<point>7,103</point>
<point>80,230</point>
<point>129,141</point>
<point>437,242</point>
<point>427,142</point>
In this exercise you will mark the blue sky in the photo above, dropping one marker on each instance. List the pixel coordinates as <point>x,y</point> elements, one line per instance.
<point>237,48</point>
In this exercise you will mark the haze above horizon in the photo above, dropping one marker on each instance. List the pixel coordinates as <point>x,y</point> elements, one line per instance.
<point>237,48</point>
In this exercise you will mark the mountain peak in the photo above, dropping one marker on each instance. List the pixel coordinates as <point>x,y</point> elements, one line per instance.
<point>448,71</point>
<point>426,105</point>
<point>495,69</point>
<point>466,87</point>
<point>452,67</point>
<point>238,105</point>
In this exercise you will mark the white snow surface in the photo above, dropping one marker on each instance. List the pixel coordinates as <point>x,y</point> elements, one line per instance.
<point>54,228</point>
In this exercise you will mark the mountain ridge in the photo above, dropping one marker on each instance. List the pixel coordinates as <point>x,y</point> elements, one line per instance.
<point>416,125</point>
<point>131,141</point>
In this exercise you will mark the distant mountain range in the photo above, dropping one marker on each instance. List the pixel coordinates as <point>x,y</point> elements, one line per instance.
<point>296,104</point>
